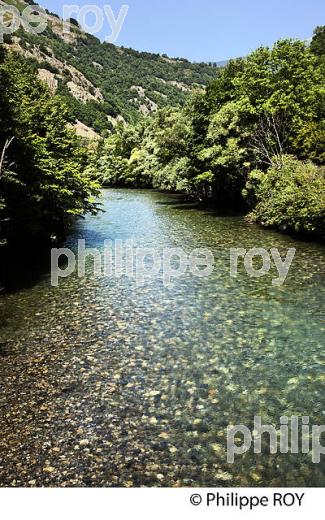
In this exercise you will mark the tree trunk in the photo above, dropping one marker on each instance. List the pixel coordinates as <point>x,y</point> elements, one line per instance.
<point>3,154</point>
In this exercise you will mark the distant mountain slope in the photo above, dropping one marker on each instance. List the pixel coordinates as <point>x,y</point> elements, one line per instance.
<point>104,83</point>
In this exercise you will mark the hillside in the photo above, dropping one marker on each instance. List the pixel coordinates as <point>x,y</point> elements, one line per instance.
<point>101,82</point>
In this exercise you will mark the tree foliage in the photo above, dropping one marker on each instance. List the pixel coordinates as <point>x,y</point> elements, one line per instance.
<point>258,111</point>
<point>41,180</point>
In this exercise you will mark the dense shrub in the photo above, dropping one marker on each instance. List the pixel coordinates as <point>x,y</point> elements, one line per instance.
<point>289,196</point>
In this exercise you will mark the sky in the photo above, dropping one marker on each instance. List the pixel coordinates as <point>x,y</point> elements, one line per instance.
<point>205,30</point>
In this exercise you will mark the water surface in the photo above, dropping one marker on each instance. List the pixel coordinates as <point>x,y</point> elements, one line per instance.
<point>104,383</point>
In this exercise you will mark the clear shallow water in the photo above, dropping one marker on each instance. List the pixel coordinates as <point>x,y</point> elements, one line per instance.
<point>104,383</point>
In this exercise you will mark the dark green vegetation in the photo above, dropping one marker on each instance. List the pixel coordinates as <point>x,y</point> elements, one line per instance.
<point>255,137</point>
<point>114,81</point>
<point>41,181</point>
<point>318,43</point>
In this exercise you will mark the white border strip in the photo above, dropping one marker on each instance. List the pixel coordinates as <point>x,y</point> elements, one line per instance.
<point>166,504</point>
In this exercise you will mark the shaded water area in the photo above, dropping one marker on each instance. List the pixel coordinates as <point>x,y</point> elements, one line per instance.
<point>104,383</point>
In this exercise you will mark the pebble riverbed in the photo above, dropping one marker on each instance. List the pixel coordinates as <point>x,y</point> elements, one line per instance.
<point>103,383</point>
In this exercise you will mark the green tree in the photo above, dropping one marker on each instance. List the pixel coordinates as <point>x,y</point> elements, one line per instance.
<point>41,184</point>
<point>317,45</point>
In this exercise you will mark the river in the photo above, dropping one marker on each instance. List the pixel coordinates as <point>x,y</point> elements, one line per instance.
<point>107,383</point>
